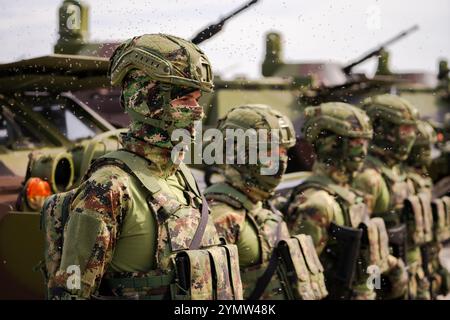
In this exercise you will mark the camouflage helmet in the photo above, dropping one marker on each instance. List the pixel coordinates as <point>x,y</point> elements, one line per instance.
<point>247,176</point>
<point>155,69</point>
<point>390,108</point>
<point>421,151</point>
<point>164,58</point>
<point>340,118</point>
<point>259,116</point>
<point>388,113</point>
<point>339,133</point>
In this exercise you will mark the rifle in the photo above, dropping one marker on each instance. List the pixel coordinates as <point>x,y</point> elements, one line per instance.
<point>348,68</point>
<point>211,30</point>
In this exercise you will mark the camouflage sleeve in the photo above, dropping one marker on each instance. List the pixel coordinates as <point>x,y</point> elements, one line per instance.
<point>229,222</point>
<point>311,212</point>
<point>236,228</point>
<point>375,189</point>
<point>91,233</point>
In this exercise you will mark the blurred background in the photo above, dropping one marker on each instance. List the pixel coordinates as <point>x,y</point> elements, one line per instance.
<point>325,30</point>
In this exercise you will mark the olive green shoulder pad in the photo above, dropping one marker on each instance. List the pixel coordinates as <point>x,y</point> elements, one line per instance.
<point>326,184</point>
<point>228,194</point>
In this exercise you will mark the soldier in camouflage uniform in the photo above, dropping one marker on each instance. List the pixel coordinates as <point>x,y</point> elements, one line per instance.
<point>417,171</point>
<point>385,184</point>
<point>138,226</point>
<point>327,208</point>
<point>243,215</point>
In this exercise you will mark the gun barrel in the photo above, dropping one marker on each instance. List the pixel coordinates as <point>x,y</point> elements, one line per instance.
<point>245,6</point>
<point>212,29</point>
<point>347,69</point>
<point>400,35</point>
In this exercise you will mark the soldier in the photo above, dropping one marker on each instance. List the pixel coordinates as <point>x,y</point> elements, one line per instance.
<point>385,184</point>
<point>327,208</point>
<point>417,171</point>
<point>138,227</point>
<point>243,214</point>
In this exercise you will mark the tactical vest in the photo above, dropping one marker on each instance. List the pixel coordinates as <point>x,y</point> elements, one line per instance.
<point>421,183</point>
<point>417,213</point>
<point>192,263</point>
<point>353,247</point>
<point>441,218</point>
<point>297,271</point>
<point>399,190</point>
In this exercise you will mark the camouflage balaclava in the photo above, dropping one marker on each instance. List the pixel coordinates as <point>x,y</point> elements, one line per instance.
<point>388,113</point>
<point>420,155</point>
<point>248,177</point>
<point>339,134</point>
<point>155,69</point>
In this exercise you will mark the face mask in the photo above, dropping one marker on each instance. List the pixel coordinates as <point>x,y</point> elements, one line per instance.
<point>342,154</point>
<point>393,141</point>
<point>268,183</point>
<point>145,98</point>
<point>356,154</point>
<point>248,177</point>
<point>183,117</point>
<point>404,142</point>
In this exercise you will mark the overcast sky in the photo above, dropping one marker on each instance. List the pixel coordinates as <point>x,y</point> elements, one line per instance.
<point>321,30</point>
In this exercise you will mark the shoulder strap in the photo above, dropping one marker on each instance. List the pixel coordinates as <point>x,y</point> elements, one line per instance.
<point>263,281</point>
<point>136,166</point>
<point>227,191</point>
<point>192,184</point>
<point>326,184</point>
<point>190,180</point>
<point>132,164</point>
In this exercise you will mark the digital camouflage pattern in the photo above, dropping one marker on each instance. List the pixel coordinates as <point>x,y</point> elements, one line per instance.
<point>330,128</point>
<point>334,130</point>
<point>247,177</point>
<point>135,215</point>
<point>243,216</point>
<point>154,69</point>
<point>383,179</point>
<point>417,171</point>
<point>388,113</point>
<point>244,220</point>
<point>165,58</point>
<point>99,209</point>
<point>145,97</point>
<point>254,232</point>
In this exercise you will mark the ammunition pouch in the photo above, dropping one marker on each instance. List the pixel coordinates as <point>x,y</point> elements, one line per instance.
<point>441,219</point>
<point>344,255</point>
<point>397,241</point>
<point>418,216</point>
<point>374,246</point>
<point>206,274</point>
<point>202,274</point>
<point>301,269</point>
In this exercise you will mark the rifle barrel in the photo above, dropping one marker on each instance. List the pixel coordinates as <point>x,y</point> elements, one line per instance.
<point>347,69</point>
<point>212,29</point>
